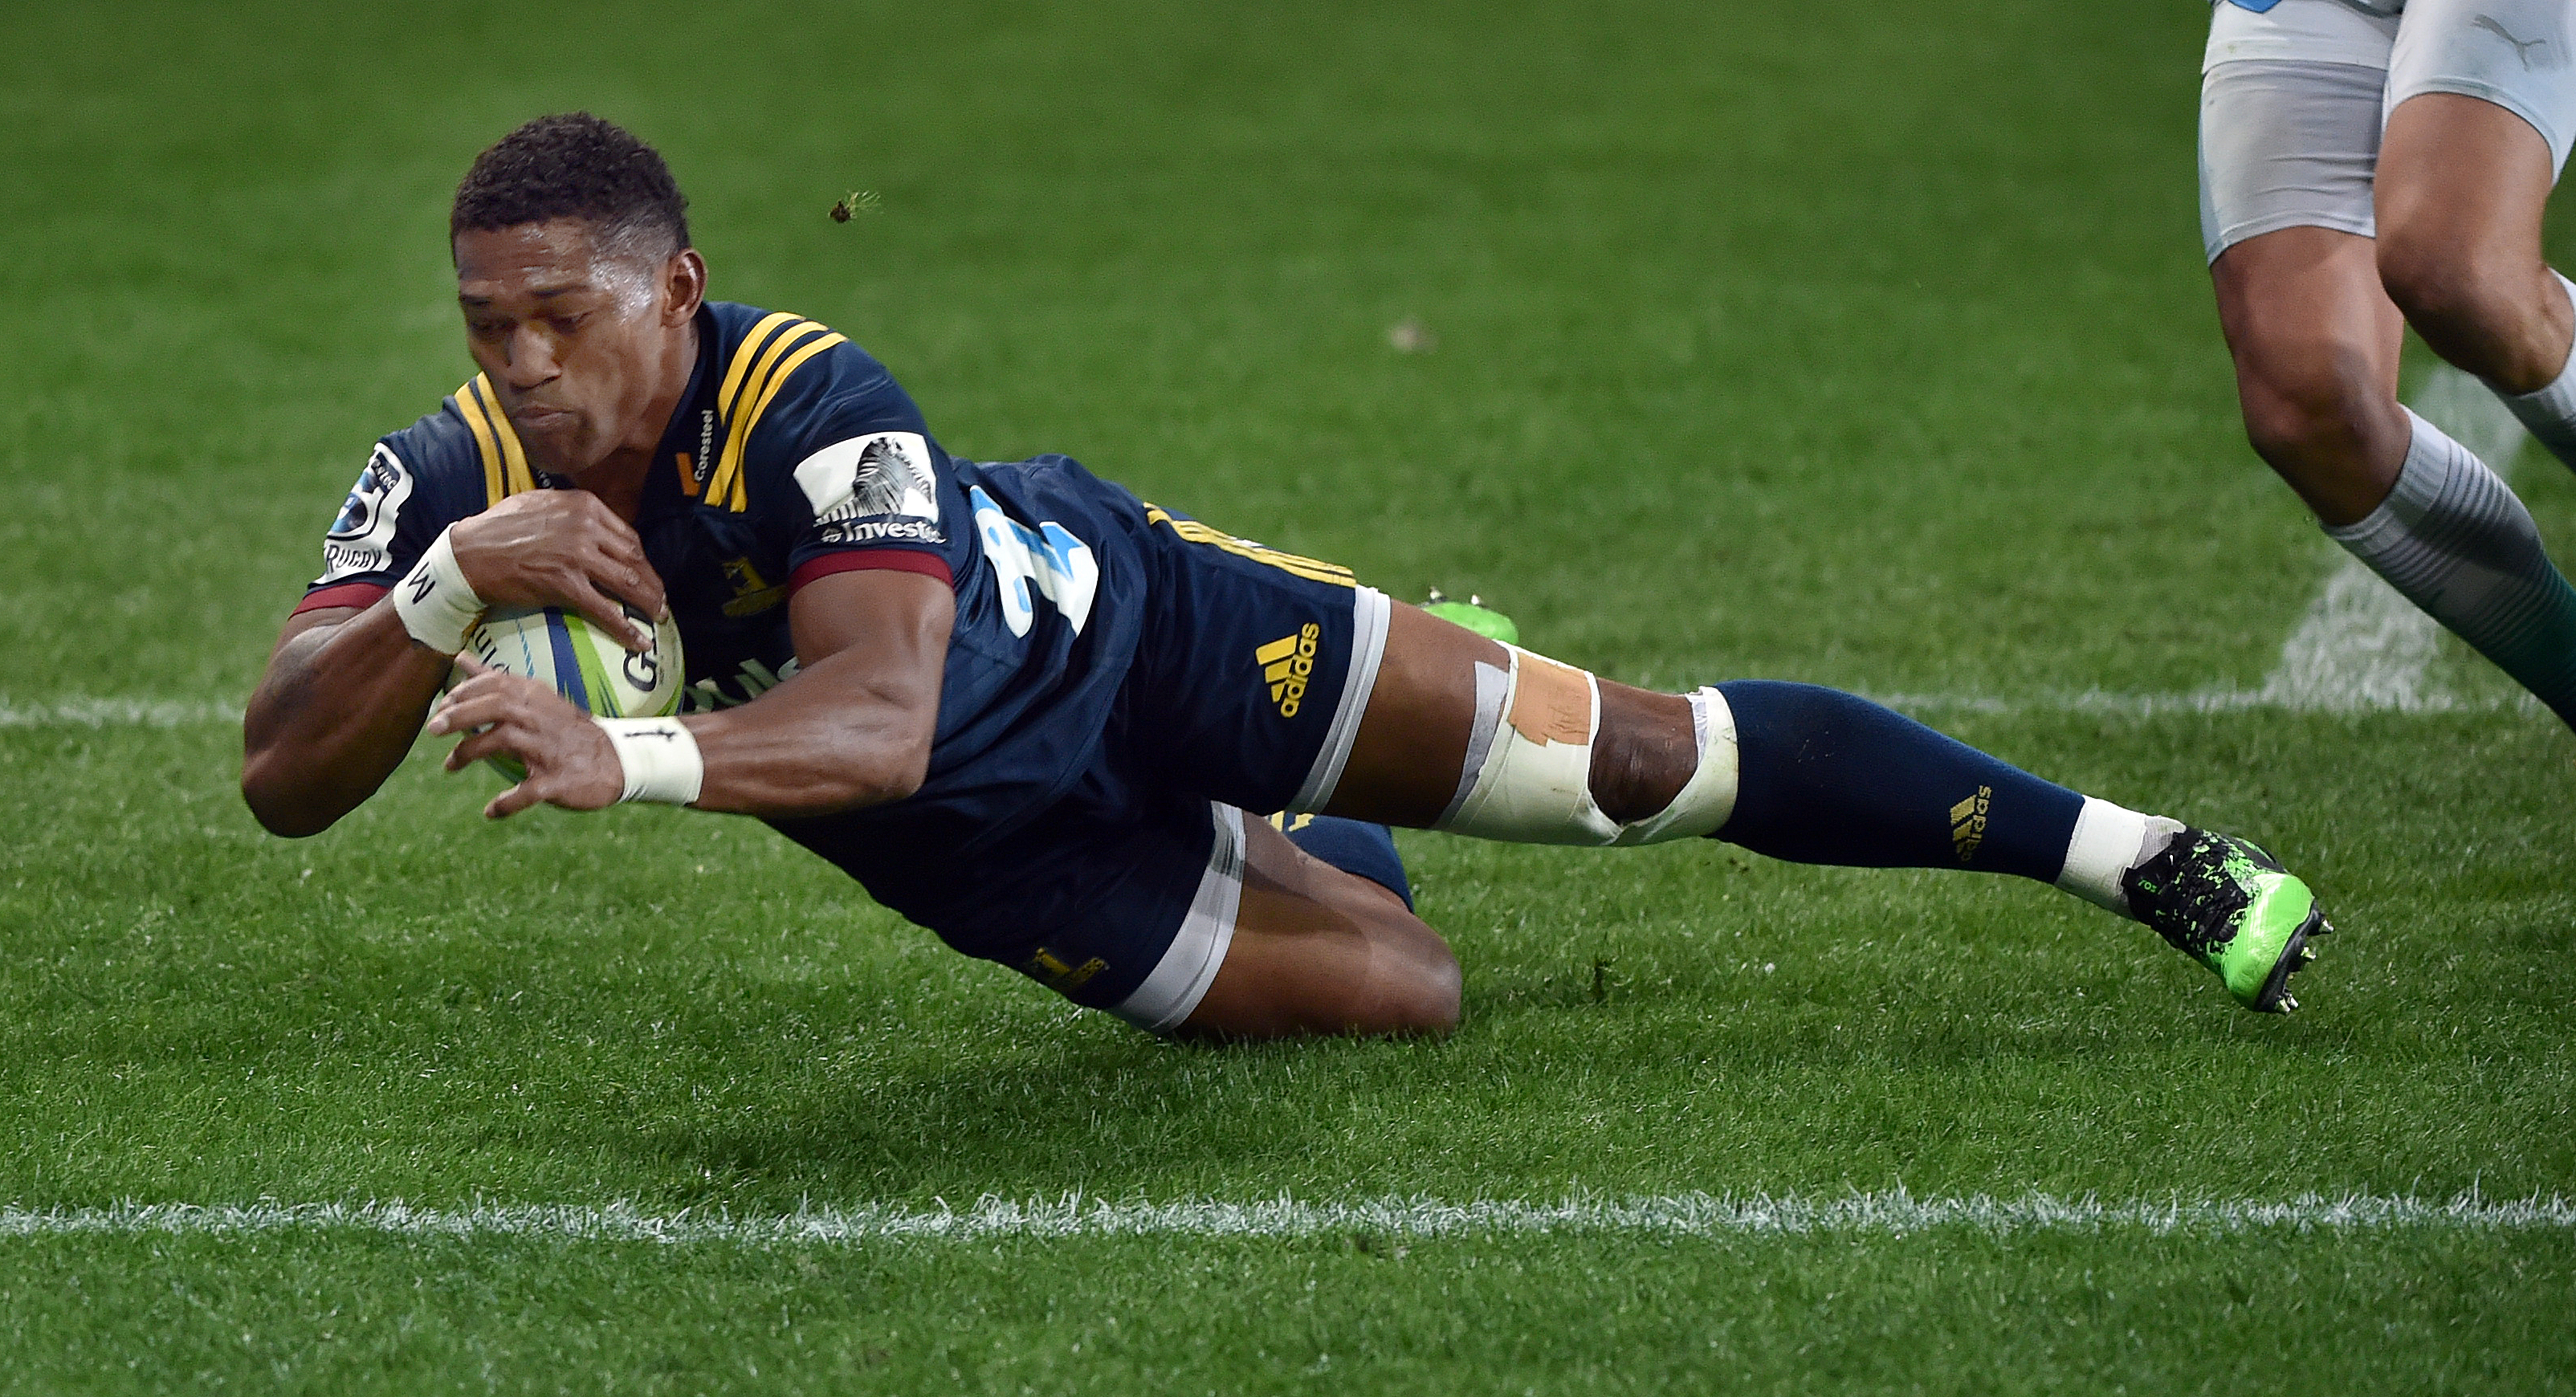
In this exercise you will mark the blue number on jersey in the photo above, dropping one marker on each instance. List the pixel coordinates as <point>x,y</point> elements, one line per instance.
<point>1049,556</point>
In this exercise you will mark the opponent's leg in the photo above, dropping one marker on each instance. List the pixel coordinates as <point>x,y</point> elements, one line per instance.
<point>1477,738</point>
<point>2462,186</point>
<point>2482,109</point>
<point>2315,339</point>
<point>1318,950</point>
<point>2315,342</point>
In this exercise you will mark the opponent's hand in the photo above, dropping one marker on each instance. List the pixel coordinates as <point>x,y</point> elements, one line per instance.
<point>561,548</point>
<point>570,762</point>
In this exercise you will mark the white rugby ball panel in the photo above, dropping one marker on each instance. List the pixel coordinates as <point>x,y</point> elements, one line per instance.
<point>563,651</point>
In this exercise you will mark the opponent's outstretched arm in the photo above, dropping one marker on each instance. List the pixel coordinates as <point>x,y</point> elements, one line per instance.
<point>346,688</point>
<point>851,728</point>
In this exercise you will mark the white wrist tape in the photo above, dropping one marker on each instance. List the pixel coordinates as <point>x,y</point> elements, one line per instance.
<point>660,759</point>
<point>435,603</point>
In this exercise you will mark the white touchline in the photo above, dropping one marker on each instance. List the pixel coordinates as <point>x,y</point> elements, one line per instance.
<point>1072,1216</point>
<point>115,713</point>
<point>2362,646</point>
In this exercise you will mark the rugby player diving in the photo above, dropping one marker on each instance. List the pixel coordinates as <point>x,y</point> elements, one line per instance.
<point>1029,711</point>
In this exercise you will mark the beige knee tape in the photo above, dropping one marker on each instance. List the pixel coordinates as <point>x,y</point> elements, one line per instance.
<point>1534,785</point>
<point>1529,777</point>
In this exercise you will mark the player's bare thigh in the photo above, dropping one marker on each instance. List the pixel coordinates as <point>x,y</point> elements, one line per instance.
<point>1317,950</point>
<point>1411,749</point>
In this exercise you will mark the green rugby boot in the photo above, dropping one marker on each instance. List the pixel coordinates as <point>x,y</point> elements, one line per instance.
<point>2225,903</point>
<point>1475,616</point>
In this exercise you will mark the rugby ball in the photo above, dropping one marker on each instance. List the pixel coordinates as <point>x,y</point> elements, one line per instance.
<point>563,650</point>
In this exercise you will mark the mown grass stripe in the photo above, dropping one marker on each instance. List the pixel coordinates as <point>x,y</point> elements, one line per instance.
<point>1075,1216</point>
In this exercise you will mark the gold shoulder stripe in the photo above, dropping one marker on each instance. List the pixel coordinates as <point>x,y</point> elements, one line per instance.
<point>729,406</point>
<point>471,409</point>
<point>743,354</point>
<point>728,482</point>
<point>513,459</point>
<point>505,465</point>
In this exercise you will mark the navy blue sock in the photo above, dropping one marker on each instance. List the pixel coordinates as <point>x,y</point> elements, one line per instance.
<point>1352,846</point>
<point>1826,777</point>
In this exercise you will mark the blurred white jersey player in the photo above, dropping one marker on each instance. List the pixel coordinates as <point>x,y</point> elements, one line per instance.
<point>2368,164</point>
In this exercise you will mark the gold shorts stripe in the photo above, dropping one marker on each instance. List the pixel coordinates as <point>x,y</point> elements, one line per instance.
<point>1192,531</point>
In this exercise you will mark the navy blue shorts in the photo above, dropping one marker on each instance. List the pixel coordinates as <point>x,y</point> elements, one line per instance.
<point>1244,695</point>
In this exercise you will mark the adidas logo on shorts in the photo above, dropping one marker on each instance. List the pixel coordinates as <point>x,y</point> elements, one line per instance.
<point>1286,664</point>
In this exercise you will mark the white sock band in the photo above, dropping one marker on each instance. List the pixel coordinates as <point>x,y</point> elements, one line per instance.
<point>1529,763</point>
<point>434,601</point>
<point>2109,841</point>
<point>660,758</point>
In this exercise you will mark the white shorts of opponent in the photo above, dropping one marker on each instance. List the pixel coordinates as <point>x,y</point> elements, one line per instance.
<point>2293,100</point>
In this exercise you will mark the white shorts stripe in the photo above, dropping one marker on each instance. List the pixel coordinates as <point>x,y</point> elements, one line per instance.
<point>1370,615</point>
<point>1189,965</point>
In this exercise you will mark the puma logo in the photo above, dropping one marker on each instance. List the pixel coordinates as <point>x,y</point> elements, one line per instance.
<point>2521,47</point>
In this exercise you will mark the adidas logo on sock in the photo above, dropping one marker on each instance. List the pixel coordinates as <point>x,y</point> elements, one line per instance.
<point>1968,822</point>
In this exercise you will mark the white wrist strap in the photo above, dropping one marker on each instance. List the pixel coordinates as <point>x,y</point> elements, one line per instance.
<point>660,759</point>
<point>435,603</point>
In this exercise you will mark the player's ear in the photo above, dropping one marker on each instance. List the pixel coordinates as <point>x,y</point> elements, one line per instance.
<point>684,286</point>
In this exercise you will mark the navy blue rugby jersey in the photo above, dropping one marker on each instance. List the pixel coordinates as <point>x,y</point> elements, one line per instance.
<point>795,455</point>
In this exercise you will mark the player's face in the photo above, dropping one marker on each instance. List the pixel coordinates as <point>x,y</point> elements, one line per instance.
<point>577,336</point>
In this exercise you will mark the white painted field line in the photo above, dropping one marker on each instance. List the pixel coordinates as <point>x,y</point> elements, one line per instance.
<point>116,713</point>
<point>2361,645</point>
<point>1679,1215</point>
<point>2165,705</point>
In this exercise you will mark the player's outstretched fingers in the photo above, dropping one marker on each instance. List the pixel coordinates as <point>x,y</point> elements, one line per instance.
<point>1317,950</point>
<point>513,800</point>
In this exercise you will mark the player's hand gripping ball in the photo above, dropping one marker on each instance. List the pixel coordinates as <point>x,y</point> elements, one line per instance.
<point>587,667</point>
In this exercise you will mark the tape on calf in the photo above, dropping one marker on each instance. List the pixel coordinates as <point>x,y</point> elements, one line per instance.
<point>1528,773</point>
<point>1704,801</point>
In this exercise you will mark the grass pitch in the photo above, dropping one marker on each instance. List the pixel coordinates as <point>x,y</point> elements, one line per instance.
<point>1867,345</point>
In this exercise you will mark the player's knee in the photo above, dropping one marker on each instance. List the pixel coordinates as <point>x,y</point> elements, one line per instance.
<point>2306,399</point>
<point>2444,286</point>
<point>1418,987</point>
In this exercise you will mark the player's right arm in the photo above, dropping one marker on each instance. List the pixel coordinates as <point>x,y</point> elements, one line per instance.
<point>347,687</point>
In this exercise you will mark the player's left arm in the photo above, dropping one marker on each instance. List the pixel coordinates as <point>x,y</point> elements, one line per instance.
<point>851,728</point>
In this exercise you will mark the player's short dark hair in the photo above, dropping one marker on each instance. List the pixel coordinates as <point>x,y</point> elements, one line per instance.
<point>574,165</point>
